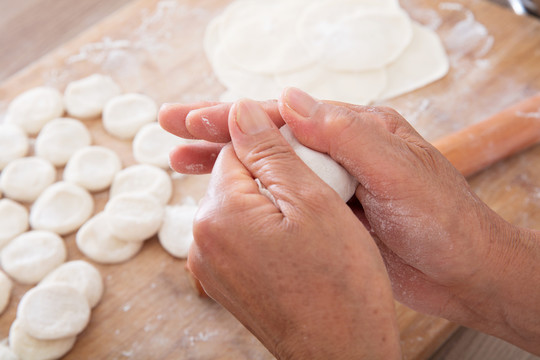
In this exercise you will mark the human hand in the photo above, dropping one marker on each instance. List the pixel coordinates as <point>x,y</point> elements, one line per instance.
<point>307,278</point>
<point>446,252</point>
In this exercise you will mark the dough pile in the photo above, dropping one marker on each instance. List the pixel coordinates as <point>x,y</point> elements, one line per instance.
<point>356,51</point>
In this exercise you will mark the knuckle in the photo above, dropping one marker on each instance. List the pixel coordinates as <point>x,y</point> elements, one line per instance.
<point>268,151</point>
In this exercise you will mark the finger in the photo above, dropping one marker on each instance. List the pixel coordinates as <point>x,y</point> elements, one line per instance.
<point>368,142</point>
<point>268,157</point>
<point>211,123</point>
<point>194,159</point>
<point>172,117</point>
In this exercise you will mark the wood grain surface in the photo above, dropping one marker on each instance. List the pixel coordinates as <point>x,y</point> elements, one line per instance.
<point>149,309</point>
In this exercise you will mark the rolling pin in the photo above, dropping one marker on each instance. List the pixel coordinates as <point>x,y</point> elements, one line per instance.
<point>480,145</point>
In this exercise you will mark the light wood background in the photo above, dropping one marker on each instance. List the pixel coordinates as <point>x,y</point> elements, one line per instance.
<point>60,20</point>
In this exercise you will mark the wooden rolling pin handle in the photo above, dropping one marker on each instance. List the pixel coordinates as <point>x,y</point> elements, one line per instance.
<point>480,145</point>
<point>504,134</point>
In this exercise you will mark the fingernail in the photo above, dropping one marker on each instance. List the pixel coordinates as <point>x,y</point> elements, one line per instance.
<point>251,118</point>
<point>299,101</point>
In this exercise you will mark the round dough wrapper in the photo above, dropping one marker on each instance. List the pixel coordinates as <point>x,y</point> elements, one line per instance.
<point>124,115</point>
<point>270,25</point>
<point>53,311</point>
<point>324,166</point>
<point>62,208</point>
<point>31,256</point>
<point>27,347</point>
<point>143,178</point>
<point>176,232</point>
<point>152,145</point>
<point>32,109</point>
<point>134,217</point>
<point>86,98</point>
<point>13,221</point>
<point>94,239</point>
<point>356,88</point>
<point>80,275</point>
<point>422,62</point>
<point>25,179</point>
<point>14,143</point>
<point>60,138</point>
<point>93,168</point>
<point>7,354</point>
<point>242,82</point>
<point>5,292</point>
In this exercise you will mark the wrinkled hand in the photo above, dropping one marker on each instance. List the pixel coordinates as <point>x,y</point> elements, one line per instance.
<point>307,278</point>
<point>446,252</point>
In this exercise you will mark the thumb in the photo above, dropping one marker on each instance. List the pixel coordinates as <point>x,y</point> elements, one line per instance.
<point>369,142</point>
<point>264,152</point>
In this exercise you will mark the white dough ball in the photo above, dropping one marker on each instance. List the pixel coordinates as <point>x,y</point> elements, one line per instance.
<point>25,179</point>
<point>94,239</point>
<point>324,166</point>
<point>31,256</point>
<point>62,208</point>
<point>6,353</point>
<point>32,109</point>
<point>176,232</point>
<point>86,98</point>
<point>60,138</point>
<point>134,217</point>
<point>5,292</point>
<point>13,221</point>
<point>80,275</point>
<point>124,115</point>
<point>53,311</point>
<point>143,179</point>
<point>152,145</point>
<point>93,168</point>
<point>14,143</point>
<point>27,347</point>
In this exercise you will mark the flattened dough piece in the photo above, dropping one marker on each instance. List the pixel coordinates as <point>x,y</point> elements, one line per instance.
<point>53,311</point>
<point>269,25</point>
<point>422,62</point>
<point>93,168</point>
<point>134,217</point>
<point>13,221</point>
<point>5,292</point>
<point>31,256</point>
<point>60,138</point>
<point>143,179</point>
<point>80,275</point>
<point>124,115</point>
<point>27,347</point>
<point>152,145</point>
<point>14,143</point>
<point>25,179</point>
<point>176,232</point>
<point>324,166</point>
<point>356,88</point>
<point>86,98</point>
<point>32,109</point>
<point>94,239</point>
<point>62,208</point>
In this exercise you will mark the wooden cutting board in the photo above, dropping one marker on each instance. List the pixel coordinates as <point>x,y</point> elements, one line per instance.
<point>149,310</point>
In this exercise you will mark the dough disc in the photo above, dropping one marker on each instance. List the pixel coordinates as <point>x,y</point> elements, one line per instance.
<point>62,208</point>
<point>124,115</point>
<point>93,168</point>
<point>176,233</point>
<point>143,179</point>
<point>13,221</point>
<point>85,98</point>
<point>31,256</point>
<point>32,109</point>
<point>53,311</point>
<point>60,138</point>
<point>14,143</point>
<point>25,179</point>
<point>95,240</point>
<point>5,291</point>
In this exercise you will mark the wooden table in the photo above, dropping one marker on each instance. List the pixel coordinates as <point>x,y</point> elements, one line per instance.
<point>24,44</point>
